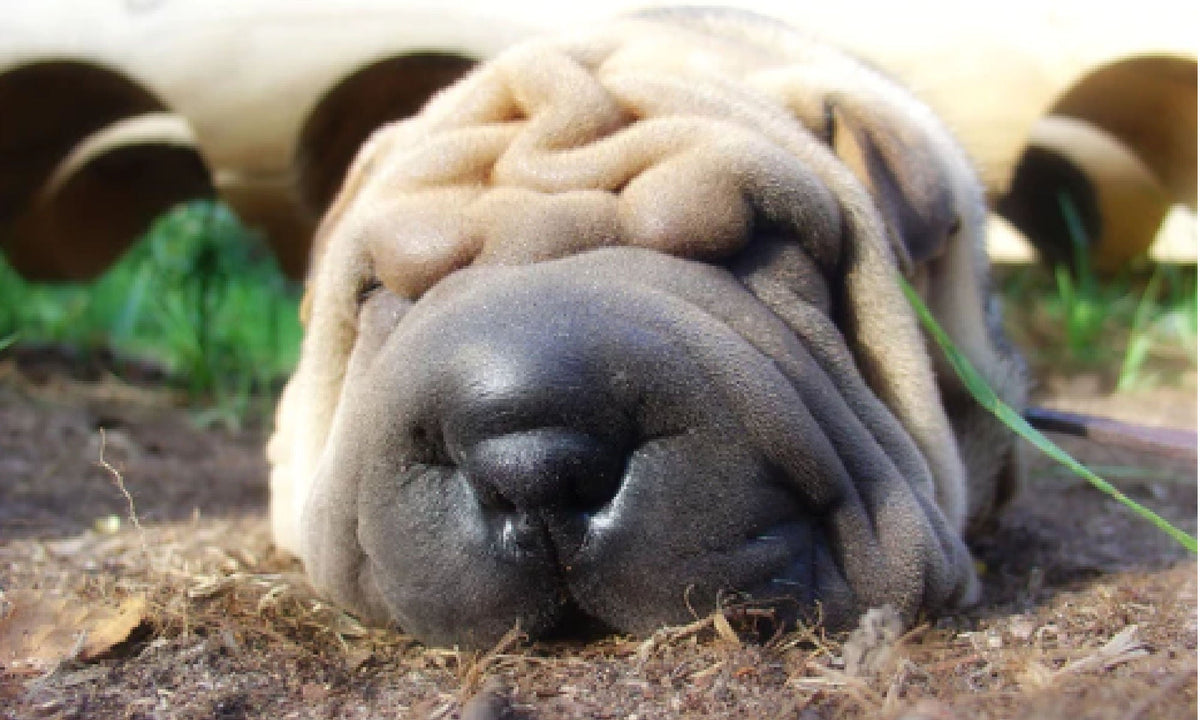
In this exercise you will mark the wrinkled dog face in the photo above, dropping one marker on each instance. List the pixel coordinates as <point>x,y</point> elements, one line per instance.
<point>613,329</point>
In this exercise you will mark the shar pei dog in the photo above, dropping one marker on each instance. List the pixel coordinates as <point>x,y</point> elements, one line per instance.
<point>613,330</point>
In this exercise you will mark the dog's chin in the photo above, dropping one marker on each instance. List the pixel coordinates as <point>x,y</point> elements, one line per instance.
<point>594,438</point>
<point>672,542</point>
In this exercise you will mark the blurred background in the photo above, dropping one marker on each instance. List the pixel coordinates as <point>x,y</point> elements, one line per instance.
<point>163,164</point>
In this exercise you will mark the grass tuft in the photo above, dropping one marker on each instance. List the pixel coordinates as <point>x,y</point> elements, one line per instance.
<point>199,295</point>
<point>1137,328</point>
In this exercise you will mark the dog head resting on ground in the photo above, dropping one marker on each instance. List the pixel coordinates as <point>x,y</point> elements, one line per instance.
<point>613,327</point>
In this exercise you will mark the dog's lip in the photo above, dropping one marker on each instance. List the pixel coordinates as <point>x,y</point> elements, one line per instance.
<point>576,566</point>
<point>790,578</point>
<point>570,539</point>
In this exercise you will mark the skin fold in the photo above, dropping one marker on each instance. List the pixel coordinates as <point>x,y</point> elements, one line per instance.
<point>612,331</point>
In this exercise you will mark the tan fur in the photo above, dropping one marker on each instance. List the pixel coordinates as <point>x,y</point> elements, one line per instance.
<point>677,133</point>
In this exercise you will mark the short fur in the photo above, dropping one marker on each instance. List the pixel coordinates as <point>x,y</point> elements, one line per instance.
<point>687,225</point>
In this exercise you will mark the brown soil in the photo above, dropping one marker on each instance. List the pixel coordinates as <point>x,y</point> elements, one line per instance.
<point>1088,612</point>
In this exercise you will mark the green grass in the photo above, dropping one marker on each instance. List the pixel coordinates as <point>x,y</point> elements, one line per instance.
<point>1137,327</point>
<point>199,295</point>
<point>986,397</point>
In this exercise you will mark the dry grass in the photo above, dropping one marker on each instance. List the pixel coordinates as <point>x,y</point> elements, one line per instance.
<point>1087,614</point>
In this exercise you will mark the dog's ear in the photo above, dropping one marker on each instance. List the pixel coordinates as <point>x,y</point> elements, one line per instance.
<point>902,172</point>
<point>933,211</point>
<point>932,207</point>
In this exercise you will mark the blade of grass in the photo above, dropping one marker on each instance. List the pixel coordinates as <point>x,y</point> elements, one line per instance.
<point>1139,336</point>
<point>1081,250</point>
<point>987,397</point>
<point>1134,474</point>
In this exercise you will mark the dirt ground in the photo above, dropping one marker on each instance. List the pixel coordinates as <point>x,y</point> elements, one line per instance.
<point>190,613</point>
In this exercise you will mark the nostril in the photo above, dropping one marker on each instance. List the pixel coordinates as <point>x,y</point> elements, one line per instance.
<point>548,468</point>
<point>524,531</point>
<point>490,497</point>
<point>427,447</point>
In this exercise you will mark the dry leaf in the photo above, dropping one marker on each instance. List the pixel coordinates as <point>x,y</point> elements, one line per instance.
<point>1121,648</point>
<point>43,629</point>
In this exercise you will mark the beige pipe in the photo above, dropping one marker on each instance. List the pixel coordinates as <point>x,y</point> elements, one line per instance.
<point>104,194</point>
<point>271,89</point>
<point>1120,200</point>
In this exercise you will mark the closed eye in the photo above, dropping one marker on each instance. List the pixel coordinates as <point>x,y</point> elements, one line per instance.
<point>368,288</point>
<point>830,120</point>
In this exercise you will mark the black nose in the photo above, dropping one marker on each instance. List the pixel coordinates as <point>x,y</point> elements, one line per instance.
<point>541,488</point>
<point>539,410</point>
<point>548,469</point>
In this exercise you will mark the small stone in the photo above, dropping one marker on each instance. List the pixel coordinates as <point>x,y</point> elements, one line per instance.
<point>1021,628</point>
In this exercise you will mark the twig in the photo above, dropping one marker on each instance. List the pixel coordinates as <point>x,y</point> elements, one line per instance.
<point>474,672</point>
<point>1170,442</point>
<point>119,482</point>
<point>662,636</point>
